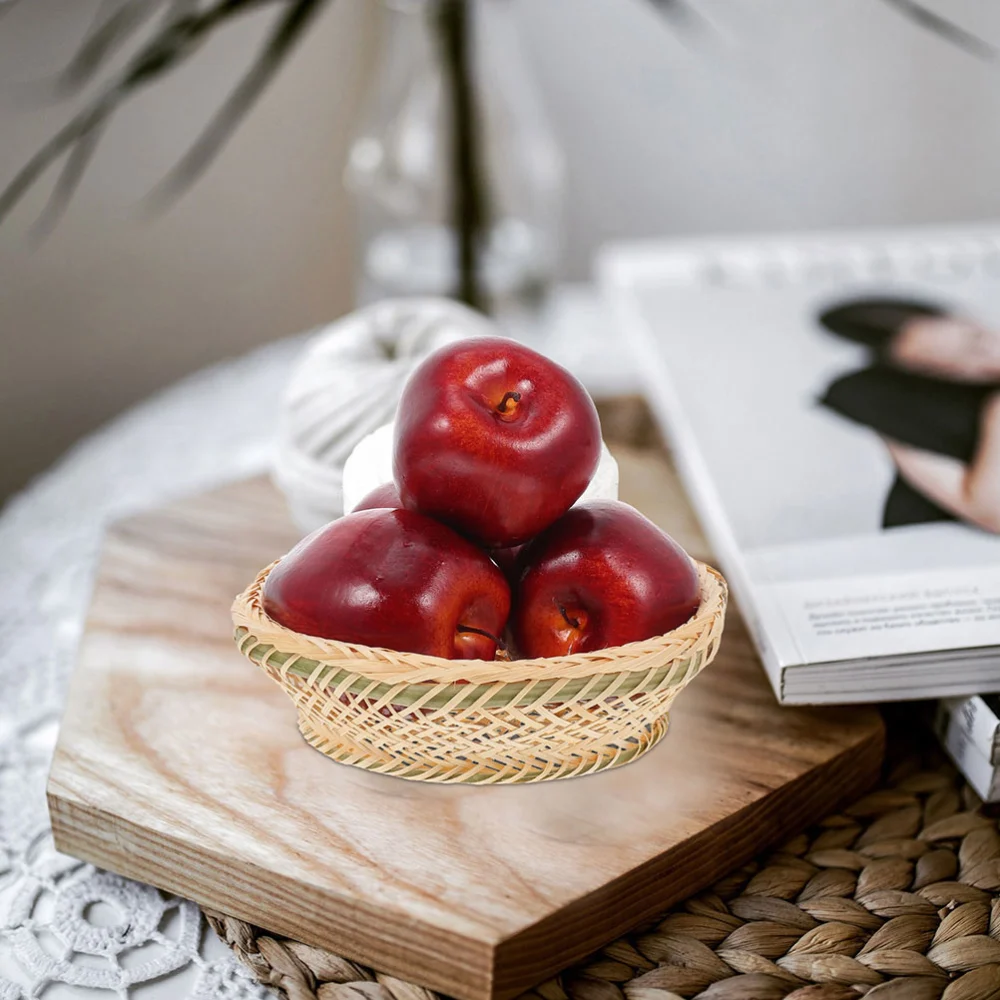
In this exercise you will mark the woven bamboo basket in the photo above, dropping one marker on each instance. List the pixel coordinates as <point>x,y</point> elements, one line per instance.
<point>431,719</point>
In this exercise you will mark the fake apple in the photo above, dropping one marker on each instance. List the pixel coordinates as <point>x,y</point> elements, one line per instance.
<point>506,559</point>
<point>370,465</point>
<point>391,578</point>
<point>385,495</point>
<point>494,439</point>
<point>601,576</point>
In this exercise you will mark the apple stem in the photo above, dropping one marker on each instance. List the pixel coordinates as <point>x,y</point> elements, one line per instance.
<point>572,622</point>
<point>481,631</point>
<point>507,396</point>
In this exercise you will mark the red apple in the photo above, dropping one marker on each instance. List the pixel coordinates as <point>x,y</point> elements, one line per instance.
<point>382,496</point>
<point>494,439</point>
<point>391,578</point>
<point>601,576</point>
<point>506,559</point>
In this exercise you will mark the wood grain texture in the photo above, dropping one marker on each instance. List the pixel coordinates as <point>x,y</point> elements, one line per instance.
<point>180,764</point>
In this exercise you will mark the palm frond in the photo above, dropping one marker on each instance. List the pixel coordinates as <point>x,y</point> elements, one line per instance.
<point>280,43</point>
<point>946,29</point>
<point>185,30</point>
<point>69,179</point>
<point>681,14</point>
<point>109,33</point>
<point>89,120</point>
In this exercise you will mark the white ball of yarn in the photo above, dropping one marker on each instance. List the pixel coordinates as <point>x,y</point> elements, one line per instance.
<point>346,384</point>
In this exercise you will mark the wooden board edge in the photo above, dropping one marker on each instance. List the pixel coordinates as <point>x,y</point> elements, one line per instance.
<point>587,924</point>
<point>458,966</point>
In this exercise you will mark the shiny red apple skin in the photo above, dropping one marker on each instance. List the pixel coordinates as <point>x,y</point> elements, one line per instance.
<point>506,559</point>
<point>602,575</point>
<point>391,578</point>
<point>494,439</point>
<point>385,495</point>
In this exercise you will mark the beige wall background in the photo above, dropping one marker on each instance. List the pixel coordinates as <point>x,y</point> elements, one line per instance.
<point>779,114</point>
<point>115,303</point>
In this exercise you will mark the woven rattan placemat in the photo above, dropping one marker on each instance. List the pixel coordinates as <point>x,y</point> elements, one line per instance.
<point>896,898</point>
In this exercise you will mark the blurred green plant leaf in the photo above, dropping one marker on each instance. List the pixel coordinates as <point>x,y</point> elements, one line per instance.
<point>681,14</point>
<point>111,30</point>
<point>282,40</point>
<point>69,178</point>
<point>946,29</point>
<point>183,31</point>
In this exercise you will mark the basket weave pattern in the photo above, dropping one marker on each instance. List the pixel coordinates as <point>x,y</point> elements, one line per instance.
<point>428,718</point>
<point>896,898</point>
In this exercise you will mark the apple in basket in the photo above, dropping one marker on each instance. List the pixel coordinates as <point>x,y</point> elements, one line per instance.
<point>395,579</point>
<point>385,495</point>
<point>491,446</point>
<point>506,559</point>
<point>494,439</point>
<point>602,575</point>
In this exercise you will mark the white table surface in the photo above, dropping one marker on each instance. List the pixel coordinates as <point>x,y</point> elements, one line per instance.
<point>65,927</point>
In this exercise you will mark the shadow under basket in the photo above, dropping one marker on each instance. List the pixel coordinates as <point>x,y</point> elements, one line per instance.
<point>482,721</point>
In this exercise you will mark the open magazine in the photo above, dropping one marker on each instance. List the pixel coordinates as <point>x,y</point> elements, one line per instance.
<point>833,402</point>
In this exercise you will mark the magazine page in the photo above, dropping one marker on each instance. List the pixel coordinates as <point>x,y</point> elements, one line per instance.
<point>839,428</point>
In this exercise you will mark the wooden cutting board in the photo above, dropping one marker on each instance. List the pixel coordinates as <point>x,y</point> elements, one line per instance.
<point>180,764</point>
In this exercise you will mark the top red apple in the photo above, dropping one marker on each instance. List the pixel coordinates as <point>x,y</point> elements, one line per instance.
<point>494,439</point>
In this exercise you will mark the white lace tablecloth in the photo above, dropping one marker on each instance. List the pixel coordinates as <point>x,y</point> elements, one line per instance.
<point>65,927</point>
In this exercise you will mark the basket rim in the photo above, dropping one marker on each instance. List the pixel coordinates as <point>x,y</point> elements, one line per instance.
<point>252,626</point>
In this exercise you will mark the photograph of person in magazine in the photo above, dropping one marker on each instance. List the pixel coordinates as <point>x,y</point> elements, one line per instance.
<point>932,393</point>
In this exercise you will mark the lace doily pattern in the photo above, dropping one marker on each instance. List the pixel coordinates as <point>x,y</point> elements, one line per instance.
<point>67,929</point>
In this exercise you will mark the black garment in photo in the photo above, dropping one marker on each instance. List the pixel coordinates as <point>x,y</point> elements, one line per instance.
<point>928,413</point>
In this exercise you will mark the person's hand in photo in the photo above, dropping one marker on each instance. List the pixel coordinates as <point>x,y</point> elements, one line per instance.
<point>971,491</point>
<point>948,347</point>
<point>929,391</point>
